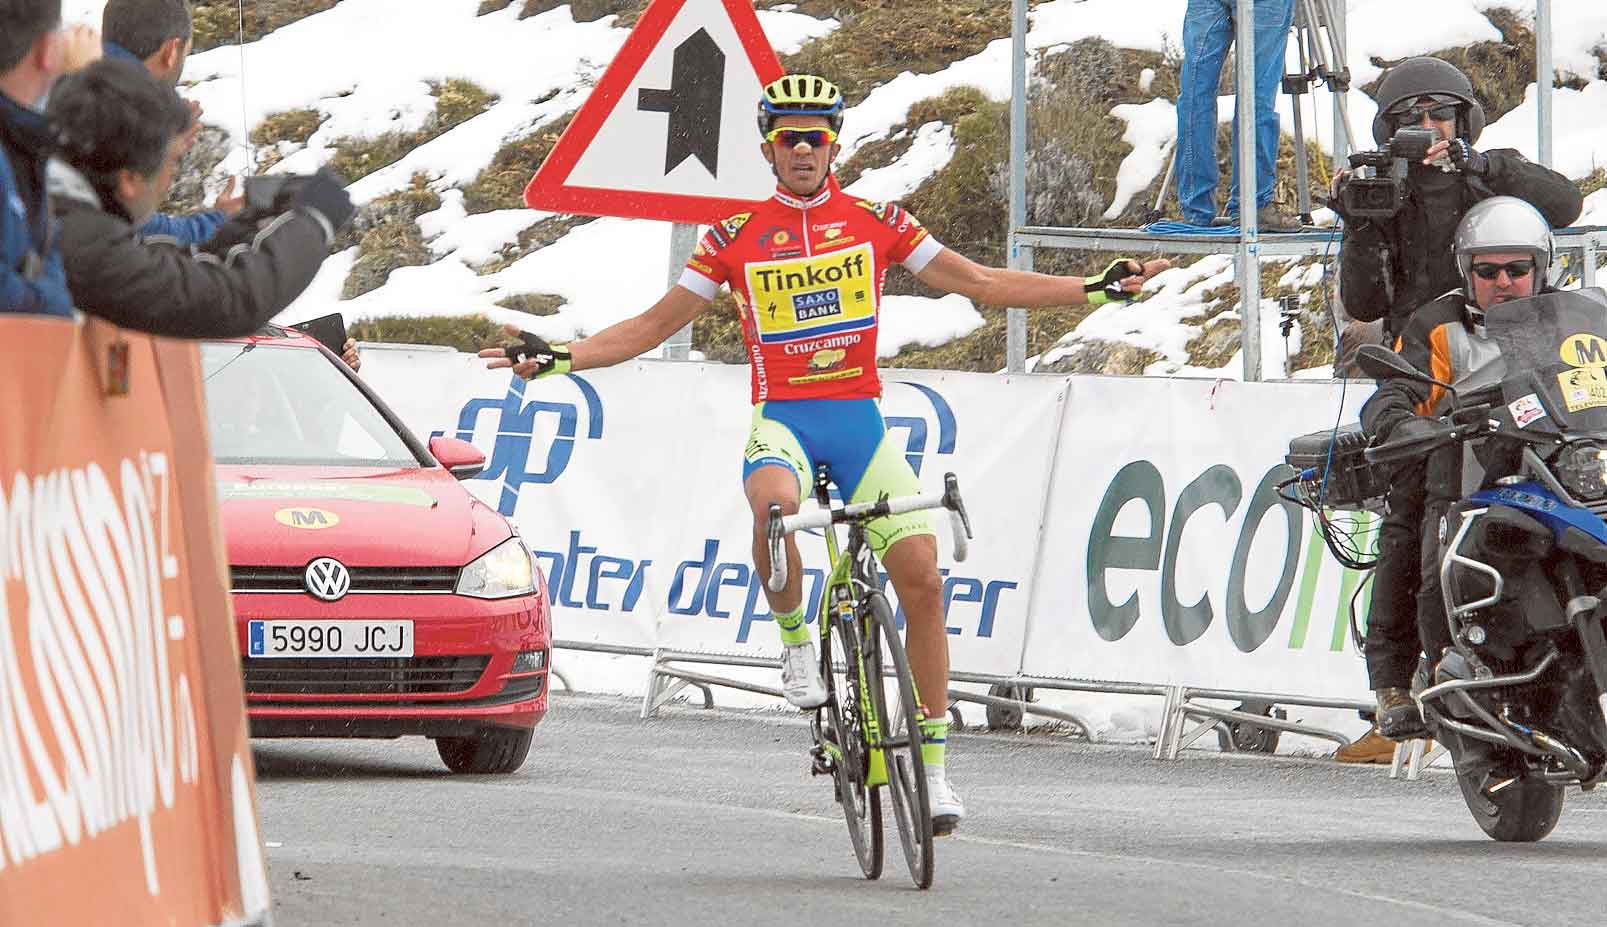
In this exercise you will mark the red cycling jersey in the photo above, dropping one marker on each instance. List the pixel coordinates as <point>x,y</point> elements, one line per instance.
<point>807,277</point>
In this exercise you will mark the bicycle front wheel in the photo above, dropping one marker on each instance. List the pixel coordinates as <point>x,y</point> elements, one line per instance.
<point>862,805</point>
<point>898,721</point>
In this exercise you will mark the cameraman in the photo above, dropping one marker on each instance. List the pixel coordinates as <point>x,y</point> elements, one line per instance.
<point>120,142</point>
<point>1388,268</point>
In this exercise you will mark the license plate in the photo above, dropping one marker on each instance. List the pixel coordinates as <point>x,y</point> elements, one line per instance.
<point>329,638</point>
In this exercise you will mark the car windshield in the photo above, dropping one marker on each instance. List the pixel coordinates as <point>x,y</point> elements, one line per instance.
<point>271,404</point>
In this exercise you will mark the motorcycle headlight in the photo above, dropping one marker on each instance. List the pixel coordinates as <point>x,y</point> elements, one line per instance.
<point>1582,470</point>
<point>501,572</point>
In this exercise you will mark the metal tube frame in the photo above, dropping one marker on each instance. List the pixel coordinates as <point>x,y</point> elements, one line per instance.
<point>1019,258</point>
<point>1249,239</point>
<point>666,680</point>
<point>1545,75</point>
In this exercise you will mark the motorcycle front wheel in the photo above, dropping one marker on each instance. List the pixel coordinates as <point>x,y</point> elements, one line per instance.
<point>1521,811</point>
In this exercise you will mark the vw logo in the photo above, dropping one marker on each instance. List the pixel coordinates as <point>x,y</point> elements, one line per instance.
<point>327,579</point>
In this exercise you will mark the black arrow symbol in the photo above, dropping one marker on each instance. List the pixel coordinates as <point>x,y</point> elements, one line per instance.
<point>697,84</point>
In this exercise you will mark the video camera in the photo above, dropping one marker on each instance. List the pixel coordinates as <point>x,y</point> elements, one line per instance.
<point>271,194</point>
<point>1381,194</point>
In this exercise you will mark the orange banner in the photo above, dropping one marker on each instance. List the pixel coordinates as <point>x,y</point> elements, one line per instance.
<point>126,789</point>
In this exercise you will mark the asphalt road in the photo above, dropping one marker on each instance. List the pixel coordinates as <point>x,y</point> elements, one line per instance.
<point>711,817</point>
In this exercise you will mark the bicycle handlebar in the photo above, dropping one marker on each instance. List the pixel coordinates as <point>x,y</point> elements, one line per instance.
<point>780,526</point>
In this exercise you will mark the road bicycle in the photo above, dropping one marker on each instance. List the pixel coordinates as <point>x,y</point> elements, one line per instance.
<point>868,733</point>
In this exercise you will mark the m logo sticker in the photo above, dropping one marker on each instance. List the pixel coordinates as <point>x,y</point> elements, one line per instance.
<point>1584,350</point>
<point>306,519</point>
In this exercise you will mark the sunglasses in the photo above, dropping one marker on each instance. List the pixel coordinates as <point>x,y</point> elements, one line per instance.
<point>814,138</point>
<point>1442,112</point>
<point>1515,270</point>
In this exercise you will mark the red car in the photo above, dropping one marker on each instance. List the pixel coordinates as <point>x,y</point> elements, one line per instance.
<point>374,596</point>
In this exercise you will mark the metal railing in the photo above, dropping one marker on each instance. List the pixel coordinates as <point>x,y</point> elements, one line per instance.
<point>667,679</point>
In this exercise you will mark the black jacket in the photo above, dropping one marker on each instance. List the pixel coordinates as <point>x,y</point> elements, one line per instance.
<point>1418,238</point>
<point>230,286</point>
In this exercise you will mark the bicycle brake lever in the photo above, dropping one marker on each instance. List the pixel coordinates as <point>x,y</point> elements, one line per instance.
<point>962,521</point>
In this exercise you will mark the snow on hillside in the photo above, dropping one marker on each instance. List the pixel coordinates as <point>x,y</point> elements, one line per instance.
<point>365,67</point>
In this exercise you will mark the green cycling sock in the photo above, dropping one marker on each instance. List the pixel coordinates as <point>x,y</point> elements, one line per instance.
<point>934,737</point>
<point>792,627</point>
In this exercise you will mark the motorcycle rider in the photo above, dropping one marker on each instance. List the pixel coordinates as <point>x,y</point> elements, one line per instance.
<point>1389,268</point>
<point>1502,249</point>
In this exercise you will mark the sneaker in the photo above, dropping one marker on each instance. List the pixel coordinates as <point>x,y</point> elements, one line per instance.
<point>1398,716</point>
<point>800,676</point>
<point>947,809</point>
<point>1372,747</point>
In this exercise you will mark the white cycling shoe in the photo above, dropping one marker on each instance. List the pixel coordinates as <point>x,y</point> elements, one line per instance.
<point>800,676</point>
<point>947,809</point>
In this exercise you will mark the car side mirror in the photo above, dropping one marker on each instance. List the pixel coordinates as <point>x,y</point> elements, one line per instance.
<point>462,459</point>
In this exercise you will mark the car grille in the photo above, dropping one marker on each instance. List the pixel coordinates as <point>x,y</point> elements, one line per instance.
<point>362,675</point>
<point>364,579</point>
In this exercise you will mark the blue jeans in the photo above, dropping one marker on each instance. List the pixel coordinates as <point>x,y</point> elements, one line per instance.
<point>1207,33</point>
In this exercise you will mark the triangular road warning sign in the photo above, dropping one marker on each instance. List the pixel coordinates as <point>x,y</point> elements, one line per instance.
<point>668,133</point>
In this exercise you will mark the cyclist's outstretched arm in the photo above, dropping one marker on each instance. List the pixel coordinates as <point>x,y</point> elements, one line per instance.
<point>638,334</point>
<point>997,286</point>
<point>618,342</point>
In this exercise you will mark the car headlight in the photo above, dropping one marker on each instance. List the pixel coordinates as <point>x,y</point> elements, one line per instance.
<point>501,572</point>
<point>1582,469</point>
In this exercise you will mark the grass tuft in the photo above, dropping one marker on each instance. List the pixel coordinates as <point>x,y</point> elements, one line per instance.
<point>217,22</point>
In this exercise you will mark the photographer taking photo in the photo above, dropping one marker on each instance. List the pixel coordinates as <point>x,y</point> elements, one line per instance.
<point>1396,251</point>
<point>121,138</point>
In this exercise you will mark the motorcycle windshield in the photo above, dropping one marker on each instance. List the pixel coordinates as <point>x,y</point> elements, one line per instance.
<point>1554,350</point>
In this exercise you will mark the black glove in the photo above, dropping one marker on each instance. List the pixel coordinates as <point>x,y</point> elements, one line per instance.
<point>1468,160</point>
<point>551,359</point>
<point>1415,426</point>
<point>1106,286</point>
<point>325,194</point>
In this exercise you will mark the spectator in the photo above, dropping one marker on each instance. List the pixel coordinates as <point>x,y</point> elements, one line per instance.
<point>121,140</point>
<point>159,34</point>
<point>1208,30</point>
<point>30,59</point>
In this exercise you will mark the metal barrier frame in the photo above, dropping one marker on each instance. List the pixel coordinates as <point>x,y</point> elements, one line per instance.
<point>666,680</point>
<point>1591,240</point>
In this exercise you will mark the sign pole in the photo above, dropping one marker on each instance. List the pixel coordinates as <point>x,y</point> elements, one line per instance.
<point>683,238</point>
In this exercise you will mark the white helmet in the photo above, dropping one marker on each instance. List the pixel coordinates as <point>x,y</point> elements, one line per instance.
<point>1502,223</point>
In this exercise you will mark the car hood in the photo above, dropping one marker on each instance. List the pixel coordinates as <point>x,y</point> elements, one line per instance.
<point>362,516</point>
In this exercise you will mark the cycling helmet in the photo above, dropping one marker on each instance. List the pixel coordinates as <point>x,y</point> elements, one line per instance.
<point>1502,223</point>
<point>800,95</point>
<point>1426,77</point>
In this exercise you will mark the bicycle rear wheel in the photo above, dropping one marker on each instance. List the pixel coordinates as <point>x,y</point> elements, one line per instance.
<point>862,805</point>
<point>894,705</point>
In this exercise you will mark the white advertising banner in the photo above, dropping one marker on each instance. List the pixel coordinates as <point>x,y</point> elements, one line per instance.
<point>627,484</point>
<point>1170,559</point>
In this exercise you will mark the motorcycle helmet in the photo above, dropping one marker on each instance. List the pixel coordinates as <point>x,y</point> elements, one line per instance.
<point>1404,83</point>
<point>1502,223</point>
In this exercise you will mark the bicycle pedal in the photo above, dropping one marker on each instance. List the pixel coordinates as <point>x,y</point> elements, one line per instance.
<point>820,762</point>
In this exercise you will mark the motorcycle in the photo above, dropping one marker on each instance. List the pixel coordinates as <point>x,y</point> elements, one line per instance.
<point>1519,696</point>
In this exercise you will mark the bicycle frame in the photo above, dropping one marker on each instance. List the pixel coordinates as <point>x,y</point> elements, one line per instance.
<point>840,601</point>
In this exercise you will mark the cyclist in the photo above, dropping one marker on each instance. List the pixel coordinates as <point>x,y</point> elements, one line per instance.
<point>806,269</point>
